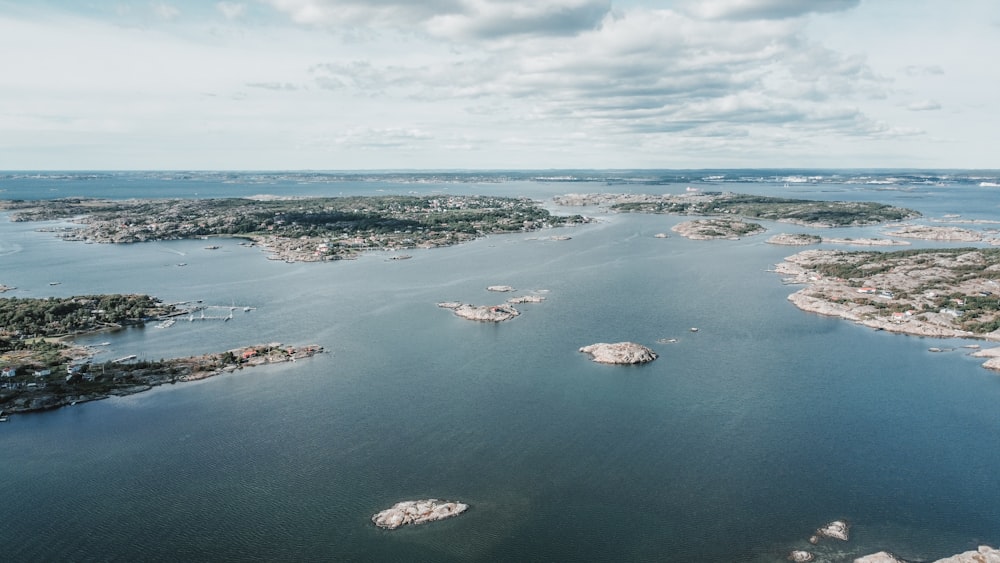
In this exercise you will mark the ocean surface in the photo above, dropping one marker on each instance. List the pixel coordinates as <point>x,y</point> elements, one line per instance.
<point>735,445</point>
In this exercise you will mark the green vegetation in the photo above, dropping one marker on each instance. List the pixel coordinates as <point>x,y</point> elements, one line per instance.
<point>402,218</point>
<point>962,284</point>
<point>22,318</point>
<point>806,212</point>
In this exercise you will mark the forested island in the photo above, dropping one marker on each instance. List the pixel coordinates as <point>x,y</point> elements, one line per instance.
<point>297,229</point>
<point>799,211</point>
<point>40,370</point>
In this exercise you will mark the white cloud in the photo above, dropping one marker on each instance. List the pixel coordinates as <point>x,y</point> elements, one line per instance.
<point>497,83</point>
<point>456,19</point>
<point>924,105</point>
<point>164,11</point>
<point>231,10</point>
<point>763,9</point>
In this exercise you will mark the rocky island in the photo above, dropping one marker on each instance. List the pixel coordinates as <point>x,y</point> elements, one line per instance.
<point>946,293</point>
<point>710,229</point>
<point>938,233</point>
<point>417,512</point>
<point>804,239</point>
<point>482,313</point>
<point>297,229</point>
<point>619,353</point>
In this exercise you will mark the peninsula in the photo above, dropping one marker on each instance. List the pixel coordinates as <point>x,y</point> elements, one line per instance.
<point>297,229</point>
<point>951,293</point>
<point>39,370</point>
<point>798,211</point>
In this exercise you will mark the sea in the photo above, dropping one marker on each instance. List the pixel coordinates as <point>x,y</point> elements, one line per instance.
<point>736,444</point>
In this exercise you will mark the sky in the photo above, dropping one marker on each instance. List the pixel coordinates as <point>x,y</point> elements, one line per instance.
<point>498,84</point>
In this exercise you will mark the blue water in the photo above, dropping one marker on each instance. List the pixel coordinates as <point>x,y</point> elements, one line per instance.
<point>734,445</point>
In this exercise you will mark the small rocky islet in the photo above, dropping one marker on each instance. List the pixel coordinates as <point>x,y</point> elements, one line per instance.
<point>413,512</point>
<point>840,530</point>
<point>621,353</point>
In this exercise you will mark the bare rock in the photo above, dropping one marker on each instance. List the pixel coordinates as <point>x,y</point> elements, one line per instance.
<point>985,554</point>
<point>797,239</point>
<point>500,288</point>
<point>417,512</point>
<point>880,557</point>
<point>838,529</point>
<point>526,299</point>
<point>487,313</point>
<point>800,556</point>
<point>619,353</point>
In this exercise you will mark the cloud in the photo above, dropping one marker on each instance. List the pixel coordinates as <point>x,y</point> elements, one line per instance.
<point>763,9</point>
<point>491,18</point>
<point>374,138</point>
<point>275,86</point>
<point>923,70</point>
<point>231,10</point>
<point>456,19</point>
<point>924,105</point>
<point>642,71</point>
<point>164,11</point>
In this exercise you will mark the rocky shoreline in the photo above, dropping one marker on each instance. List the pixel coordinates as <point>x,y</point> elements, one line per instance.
<point>932,293</point>
<point>802,239</point>
<point>177,370</point>
<point>840,530</point>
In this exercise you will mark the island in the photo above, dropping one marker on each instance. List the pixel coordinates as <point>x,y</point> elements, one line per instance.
<point>482,313</point>
<point>709,229</point>
<point>938,233</point>
<point>41,369</point>
<point>797,211</point>
<point>619,353</point>
<point>948,293</point>
<point>417,512</point>
<point>297,229</point>
<point>805,239</point>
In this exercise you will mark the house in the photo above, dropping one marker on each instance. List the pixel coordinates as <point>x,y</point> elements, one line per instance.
<point>867,290</point>
<point>43,372</point>
<point>8,372</point>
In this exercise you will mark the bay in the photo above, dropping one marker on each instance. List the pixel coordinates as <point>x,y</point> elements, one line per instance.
<point>738,442</point>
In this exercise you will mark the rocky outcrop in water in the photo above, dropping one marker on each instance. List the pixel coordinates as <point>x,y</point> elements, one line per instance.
<point>838,529</point>
<point>985,554</point>
<point>417,512</point>
<point>880,557</point>
<point>484,313</point>
<point>619,353</point>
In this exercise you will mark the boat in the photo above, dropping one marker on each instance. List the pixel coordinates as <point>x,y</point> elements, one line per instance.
<point>166,324</point>
<point>54,283</point>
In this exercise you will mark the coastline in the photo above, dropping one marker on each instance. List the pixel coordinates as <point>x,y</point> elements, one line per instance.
<point>132,381</point>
